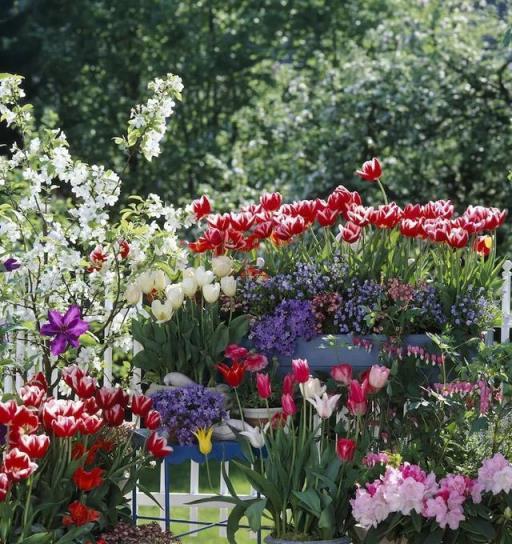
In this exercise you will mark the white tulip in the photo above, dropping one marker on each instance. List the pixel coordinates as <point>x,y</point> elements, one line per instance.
<point>189,273</point>
<point>324,405</point>
<point>211,292</point>
<point>204,277</point>
<point>222,266</point>
<point>313,387</point>
<point>175,295</point>
<point>160,280</point>
<point>145,282</point>
<point>162,311</point>
<point>132,294</point>
<point>228,286</point>
<point>260,262</point>
<point>255,436</point>
<point>189,286</point>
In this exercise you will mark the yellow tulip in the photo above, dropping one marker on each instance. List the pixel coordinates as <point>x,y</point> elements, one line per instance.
<point>204,438</point>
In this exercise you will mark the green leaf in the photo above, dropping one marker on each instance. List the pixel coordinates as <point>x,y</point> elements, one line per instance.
<point>39,538</point>
<point>480,526</point>
<point>255,512</point>
<point>311,500</point>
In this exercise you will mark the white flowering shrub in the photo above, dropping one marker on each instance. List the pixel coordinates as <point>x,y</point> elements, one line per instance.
<point>60,245</point>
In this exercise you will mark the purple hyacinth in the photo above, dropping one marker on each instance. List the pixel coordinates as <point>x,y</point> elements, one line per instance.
<point>66,328</point>
<point>11,264</point>
<point>183,410</point>
<point>277,333</point>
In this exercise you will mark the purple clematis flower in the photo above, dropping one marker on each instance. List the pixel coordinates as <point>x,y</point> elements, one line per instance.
<point>66,328</point>
<point>11,264</point>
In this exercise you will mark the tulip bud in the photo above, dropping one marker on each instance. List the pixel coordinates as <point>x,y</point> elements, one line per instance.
<point>228,285</point>
<point>175,295</point>
<point>222,266</point>
<point>313,387</point>
<point>132,294</point>
<point>211,292</point>
<point>159,280</point>
<point>342,373</point>
<point>260,262</point>
<point>189,286</point>
<point>203,277</point>
<point>162,312</point>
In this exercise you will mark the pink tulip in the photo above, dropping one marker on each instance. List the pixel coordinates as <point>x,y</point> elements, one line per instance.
<point>263,385</point>
<point>342,373</point>
<point>378,376</point>
<point>288,404</point>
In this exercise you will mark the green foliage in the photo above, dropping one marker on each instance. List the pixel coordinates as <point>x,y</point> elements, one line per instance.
<point>293,95</point>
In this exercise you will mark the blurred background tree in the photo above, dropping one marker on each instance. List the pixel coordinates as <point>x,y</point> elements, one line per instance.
<point>280,94</point>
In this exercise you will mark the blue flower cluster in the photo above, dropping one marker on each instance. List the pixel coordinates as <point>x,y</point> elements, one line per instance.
<point>427,300</point>
<point>473,310</point>
<point>259,296</point>
<point>183,410</point>
<point>277,332</point>
<point>359,301</point>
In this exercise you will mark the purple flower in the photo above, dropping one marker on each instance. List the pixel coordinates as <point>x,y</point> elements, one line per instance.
<point>183,410</point>
<point>11,264</point>
<point>278,332</point>
<point>66,329</point>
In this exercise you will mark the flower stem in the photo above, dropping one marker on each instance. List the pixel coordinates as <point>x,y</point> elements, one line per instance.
<point>381,187</point>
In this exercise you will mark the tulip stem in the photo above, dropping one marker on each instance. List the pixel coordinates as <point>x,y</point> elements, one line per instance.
<point>208,471</point>
<point>381,187</point>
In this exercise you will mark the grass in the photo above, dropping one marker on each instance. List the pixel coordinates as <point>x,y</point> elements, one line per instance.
<point>180,482</point>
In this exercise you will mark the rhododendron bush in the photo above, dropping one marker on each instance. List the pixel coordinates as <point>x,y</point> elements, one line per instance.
<point>68,463</point>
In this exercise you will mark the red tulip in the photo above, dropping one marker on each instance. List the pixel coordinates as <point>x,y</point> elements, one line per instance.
<point>437,230</point>
<point>349,233</point>
<point>263,230</point>
<point>439,209</point>
<point>84,387</point>
<point>371,170</point>
<point>357,402</point>
<point>342,373</point>
<point>7,412</point>
<point>106,397</point>
<point>300,370</point>
<point>71,373</point>
<point>233,375</point>
<point>219,221</point>
<point>114,416</point>
<point>25,419</point>
<point>458,238</point>
<point>326,218</point>
<point>64,426</point>
<point>89,424</point>
<point>411,228</point>
<point>18,465</point>
<point>288,404</point>
<point>86,480</point>
<point>157,446</point>
<point>254,362</point>
<point>242,221</point>
<point>288,384</point>
<point>141,405</point>
<point>345,449</point>
<point>263,385</point>
<point>124,249</point>
<point>386,216</point>
<point>482,245</point>
<point>359,215</point>
<point>98,257</point>
<point>413,211</point>
<point>39,380</point>
<point>35,446</point>
<point>152,420</point>
<point>91,406</point>
<point>4,486</point>
<point>201,207</point>
<point>32,396</point>
<point>271,202</point>
<point>80,515</point>
<point>78,451</point>
<point>235,352</point>
<point>340,199</point>
<point>307,210</point>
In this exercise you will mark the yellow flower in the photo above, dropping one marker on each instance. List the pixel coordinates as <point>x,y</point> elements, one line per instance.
<point>204,438</point>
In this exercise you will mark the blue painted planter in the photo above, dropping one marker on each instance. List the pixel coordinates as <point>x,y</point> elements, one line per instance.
<point>324,352</point>
<point>273,540</point>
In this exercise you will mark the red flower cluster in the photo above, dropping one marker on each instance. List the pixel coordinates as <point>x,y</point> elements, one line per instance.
<point>280,223</point>
<point>42,422</point>
<point>242,360</point>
